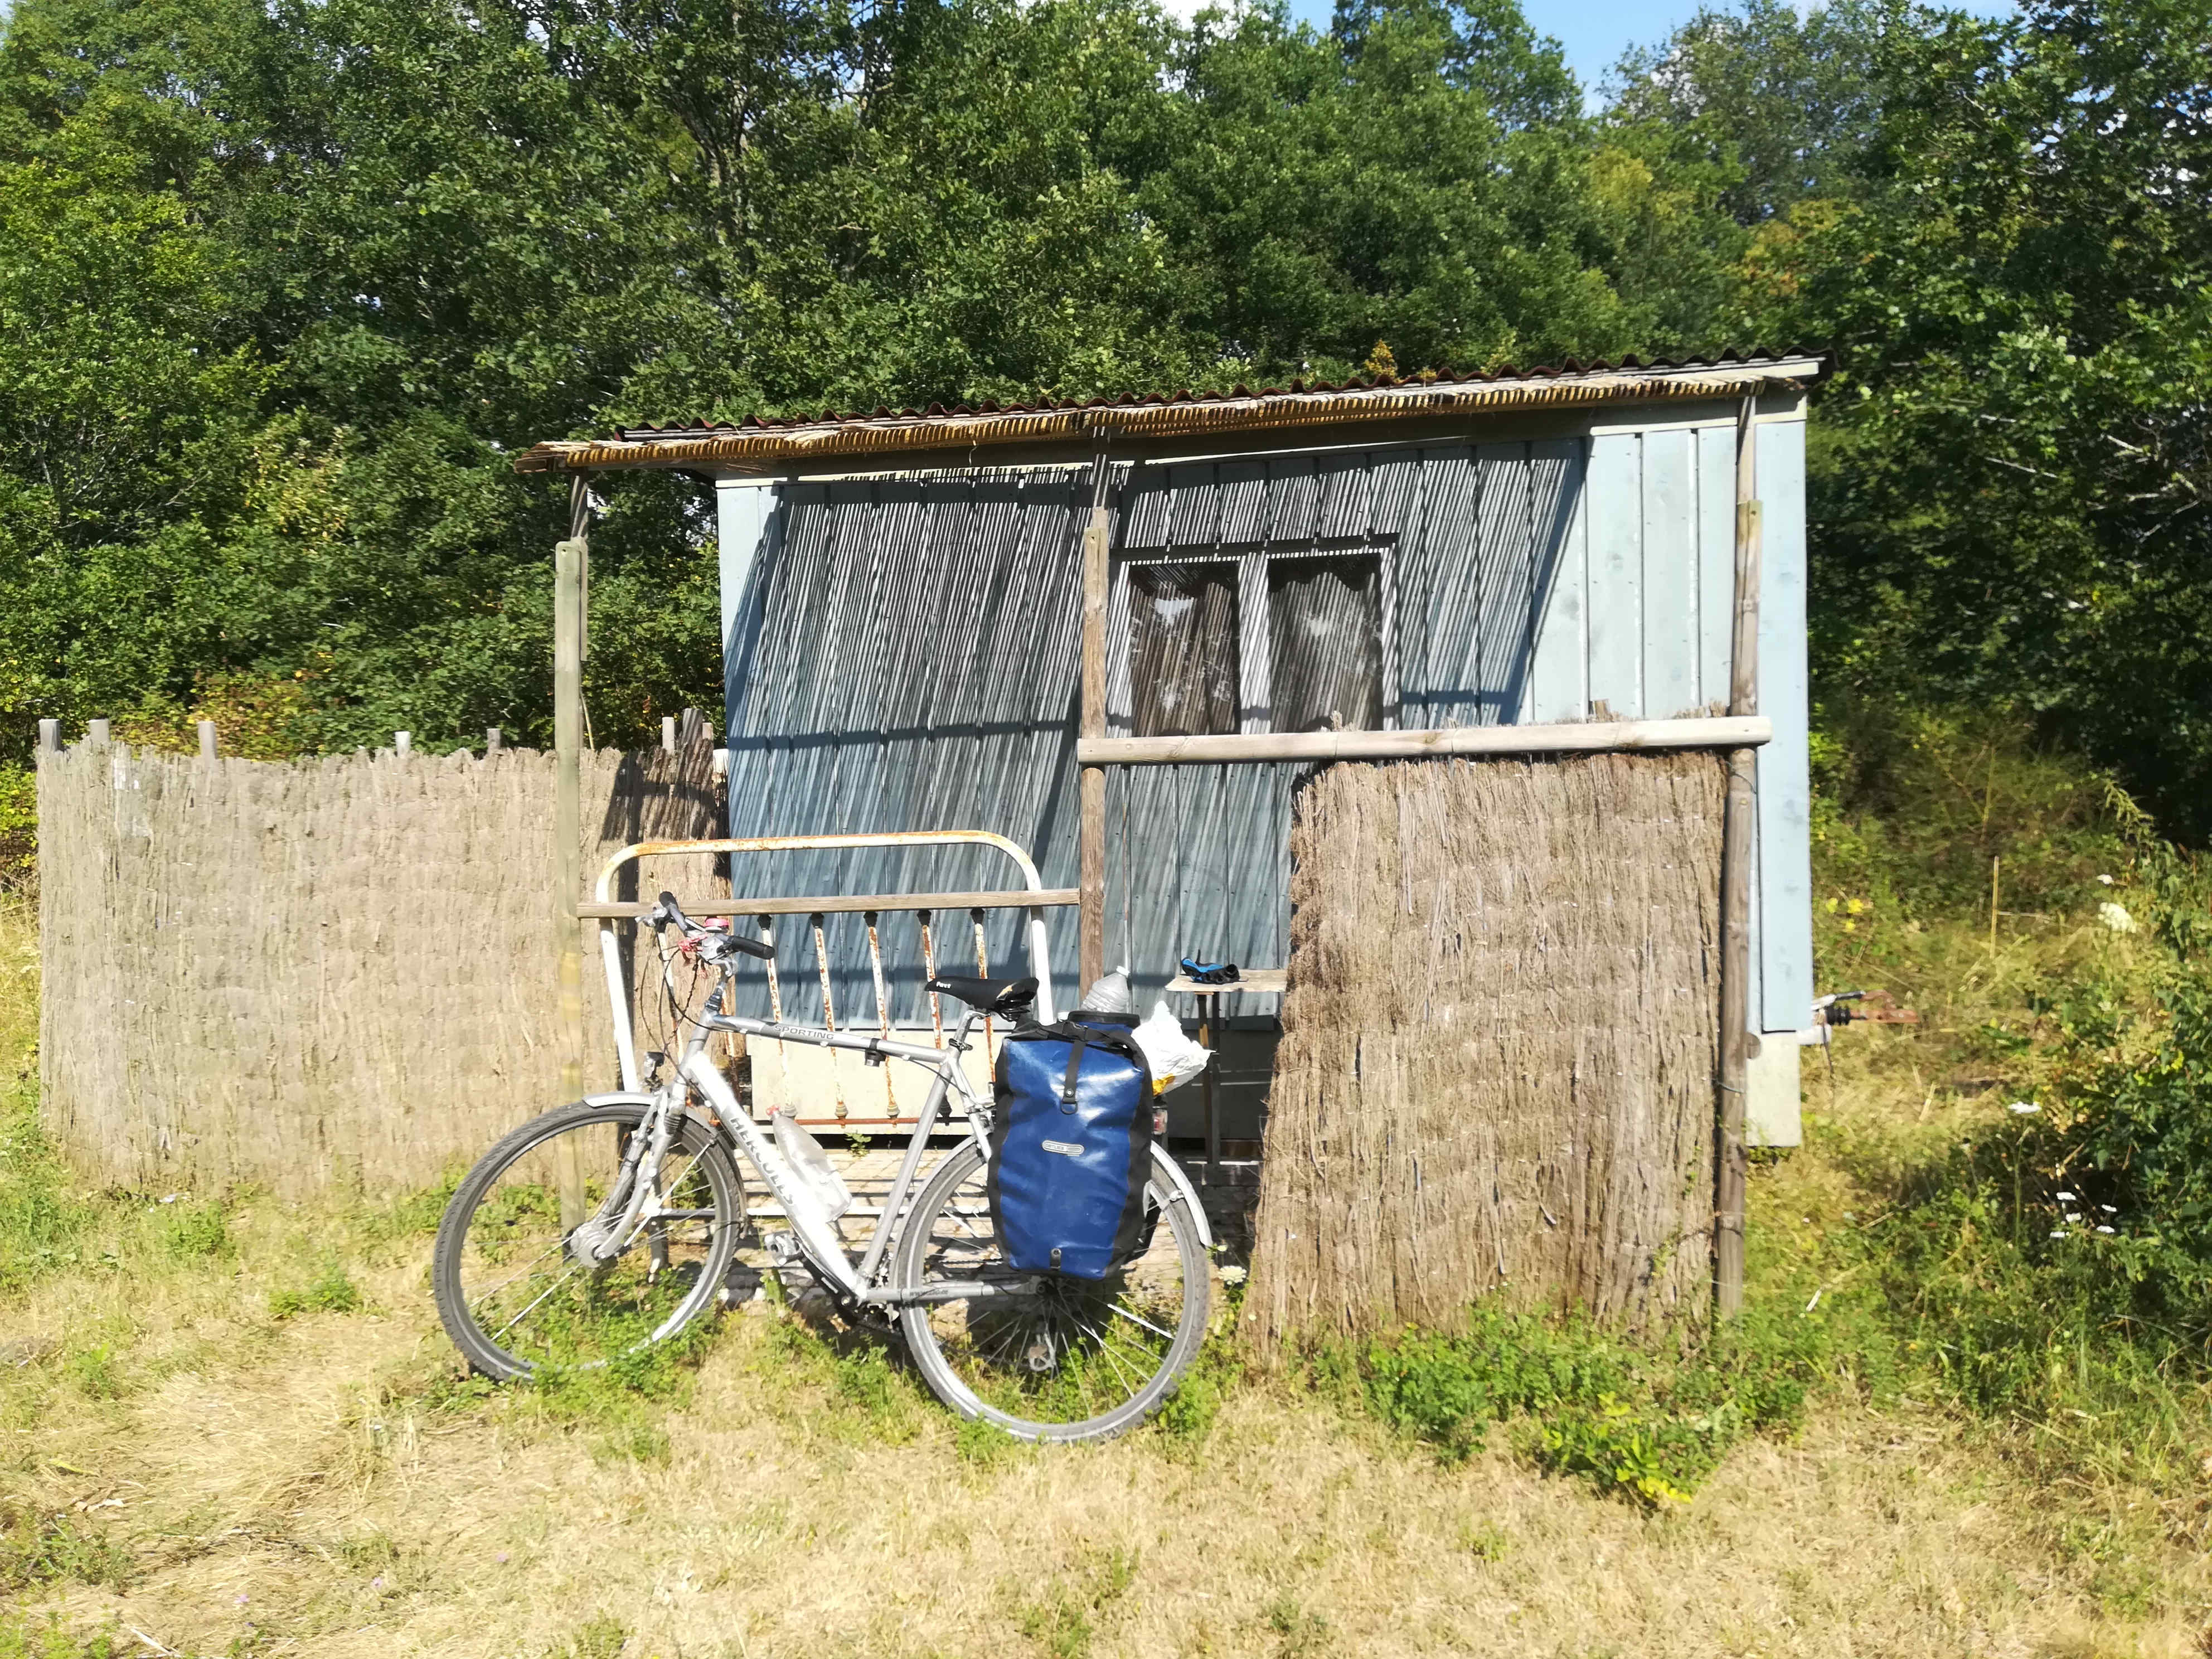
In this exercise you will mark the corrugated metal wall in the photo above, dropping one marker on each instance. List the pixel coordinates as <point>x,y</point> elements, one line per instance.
<point>903,654</point>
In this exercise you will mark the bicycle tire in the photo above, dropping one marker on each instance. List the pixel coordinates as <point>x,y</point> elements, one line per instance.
<point>922,1337</point>
<point>709,1157</point>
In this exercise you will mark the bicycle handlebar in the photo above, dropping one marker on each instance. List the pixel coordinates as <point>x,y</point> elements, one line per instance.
<point>667,910</point>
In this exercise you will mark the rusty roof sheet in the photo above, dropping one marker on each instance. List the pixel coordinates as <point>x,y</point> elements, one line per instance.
<point>759,444</point>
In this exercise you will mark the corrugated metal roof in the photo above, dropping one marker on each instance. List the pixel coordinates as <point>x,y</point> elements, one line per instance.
<point>757,444</point>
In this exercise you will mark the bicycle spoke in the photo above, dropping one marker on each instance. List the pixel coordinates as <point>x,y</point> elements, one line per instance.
<point>604,1301</point>
<point>569,1273</point>
<point>478,1301</point>
<point>1066,1354</point>
<point>1115,1307</point>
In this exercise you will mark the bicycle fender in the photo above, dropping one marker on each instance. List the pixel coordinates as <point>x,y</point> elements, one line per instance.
<point>1181,1176</point>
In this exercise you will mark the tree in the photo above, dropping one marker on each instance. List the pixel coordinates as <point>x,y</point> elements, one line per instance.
<point>2012,485</point>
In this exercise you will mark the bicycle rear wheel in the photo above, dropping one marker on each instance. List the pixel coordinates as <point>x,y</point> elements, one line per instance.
<point>518,1288</point>
<point>1047,1357</point>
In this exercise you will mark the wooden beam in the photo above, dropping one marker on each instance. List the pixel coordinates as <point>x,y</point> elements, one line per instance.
<point>845,903</point>
<point>1739,848</point>
<point>1091,829</point>
<point>1587,736</point>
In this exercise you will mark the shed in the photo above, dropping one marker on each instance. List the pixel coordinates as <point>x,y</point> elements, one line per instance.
<point>1371,567</point>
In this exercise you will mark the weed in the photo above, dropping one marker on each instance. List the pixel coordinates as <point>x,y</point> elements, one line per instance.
<point>415,1214</point>
<point>1485,1542</point>
<point>329,1292</point>
<point>1188,1417</point>
<point>1062,1622</point>
<point>1651,1422</point>
<point>21,1639</point>
<point>982,1444</point>
<point>1300,1634</point>
<point>44,1549</point>
<point>42,1222</point>
<point>94,1373</point>
<point>599,1636</point>
<point>191,1229</point>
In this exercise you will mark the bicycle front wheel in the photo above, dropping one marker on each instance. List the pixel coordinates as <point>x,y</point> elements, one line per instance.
<point>522,1280</point>
<point>1047,1357</point>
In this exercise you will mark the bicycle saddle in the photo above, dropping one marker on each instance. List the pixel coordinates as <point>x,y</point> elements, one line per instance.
<point>1000,996</point>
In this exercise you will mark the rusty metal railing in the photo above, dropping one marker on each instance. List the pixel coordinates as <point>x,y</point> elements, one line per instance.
<point>1032,896</point>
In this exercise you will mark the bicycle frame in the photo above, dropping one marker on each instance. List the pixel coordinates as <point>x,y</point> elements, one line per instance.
<point>810,1224</point>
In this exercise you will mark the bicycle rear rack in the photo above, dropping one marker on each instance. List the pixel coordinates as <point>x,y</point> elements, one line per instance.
<point>1033,895</point>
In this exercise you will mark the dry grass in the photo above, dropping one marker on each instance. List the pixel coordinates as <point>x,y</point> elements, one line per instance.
<point>240,1482</point>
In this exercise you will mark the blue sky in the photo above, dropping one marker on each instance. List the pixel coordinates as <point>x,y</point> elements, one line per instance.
<point>1596,32</point>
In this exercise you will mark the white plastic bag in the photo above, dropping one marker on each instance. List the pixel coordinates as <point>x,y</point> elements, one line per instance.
<point>1174,1057</point>
<point>1109,994</point>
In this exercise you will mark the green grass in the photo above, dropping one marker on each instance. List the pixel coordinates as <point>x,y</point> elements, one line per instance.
<point>331,1291</point>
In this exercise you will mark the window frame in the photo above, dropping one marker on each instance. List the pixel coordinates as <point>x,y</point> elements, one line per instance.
<point>1256,650</point>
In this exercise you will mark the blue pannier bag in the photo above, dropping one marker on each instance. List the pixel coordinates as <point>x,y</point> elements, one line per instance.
<point>1070,1146</point>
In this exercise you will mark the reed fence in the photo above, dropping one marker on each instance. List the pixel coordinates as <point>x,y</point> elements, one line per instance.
<point>1499,1041</point>
<point>326,971</point>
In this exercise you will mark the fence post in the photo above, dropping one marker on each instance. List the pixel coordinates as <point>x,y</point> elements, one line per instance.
<point>403,743</point>
<point>668,733</point>
<point>1739,848</point>
<point>95,733</point>
<point>691,727</point>
<point>50,736</point>
<point>567,828</point>
<point>207,739</point>
<point>492,739</point>
<point>1091,817</point>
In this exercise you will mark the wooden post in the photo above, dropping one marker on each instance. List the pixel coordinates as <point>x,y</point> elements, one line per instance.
<point>50,736</point>
<point>493,738</point>
<point>95,733</point>
<point>207,739</point>
<point>1091,832</point>
<point>403,744</point>
<point>690,727</point>
<point>568,827</point>
<point>668,733</point>
<point>1739,832</point>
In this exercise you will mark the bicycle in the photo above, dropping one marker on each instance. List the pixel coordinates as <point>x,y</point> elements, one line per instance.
<point>611,1225</point>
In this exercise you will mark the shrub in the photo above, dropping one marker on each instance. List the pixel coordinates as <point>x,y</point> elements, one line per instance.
<point>1650,1421</point>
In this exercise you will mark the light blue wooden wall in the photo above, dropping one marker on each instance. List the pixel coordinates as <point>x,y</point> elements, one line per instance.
<point>902,654</point>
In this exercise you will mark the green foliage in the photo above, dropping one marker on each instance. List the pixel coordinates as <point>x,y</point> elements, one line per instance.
<point>37,1549</point>
<point>19,826</point>
<point>1912,802</point>
<point>43,1221</point>
<point>1062,1623</point>
<point>600,1637</point>
<point>21,1638</point>
<point>2011,468</point>
<point>331,1291</point>
<point>981,1444</point>
<point>1299,1633</point>
<point>286,287</point>
<point>193,1228</point>
<point>1652,1422</point>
